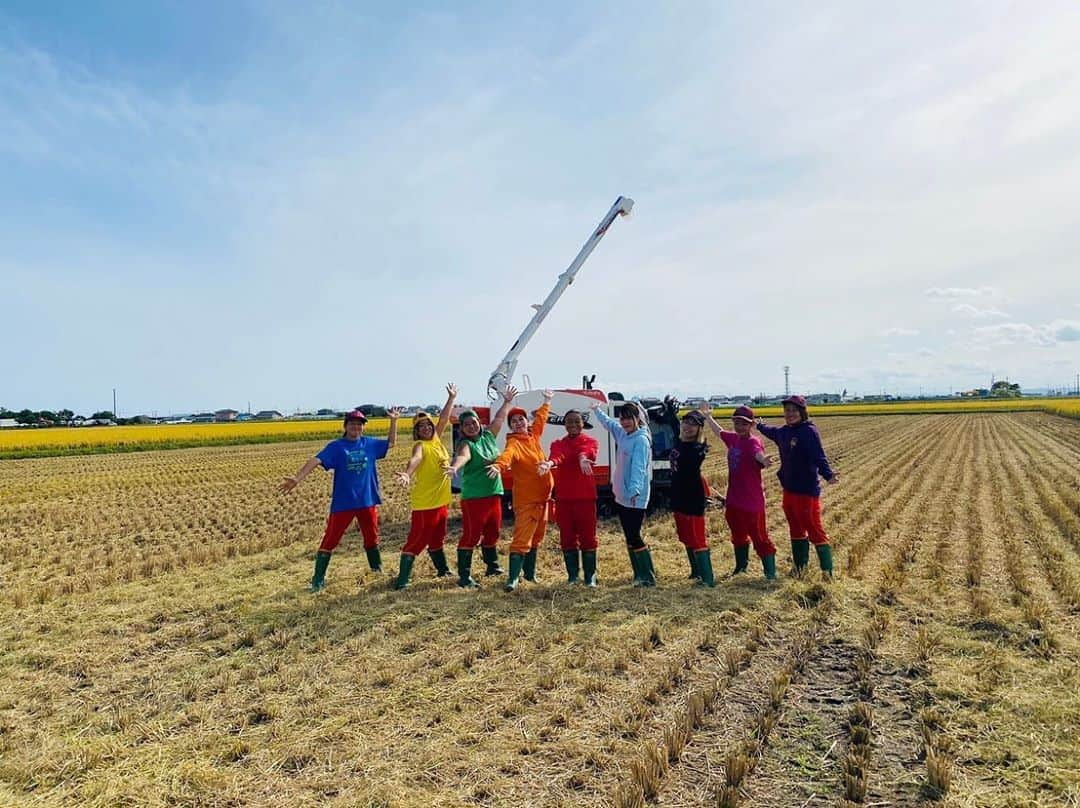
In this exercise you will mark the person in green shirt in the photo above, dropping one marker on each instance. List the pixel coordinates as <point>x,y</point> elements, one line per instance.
<point>481,496</point>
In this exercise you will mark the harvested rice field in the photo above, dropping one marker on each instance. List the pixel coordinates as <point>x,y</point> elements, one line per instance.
<point>159,646</point>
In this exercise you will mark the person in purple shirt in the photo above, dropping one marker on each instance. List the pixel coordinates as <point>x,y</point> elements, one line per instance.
<point>802,461</point>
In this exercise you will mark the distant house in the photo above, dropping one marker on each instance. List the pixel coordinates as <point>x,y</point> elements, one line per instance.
<point>202,418</point>
<point>8,423</point>
<point>268,415</point>
<point>823,398</point>
<point>225,415</point>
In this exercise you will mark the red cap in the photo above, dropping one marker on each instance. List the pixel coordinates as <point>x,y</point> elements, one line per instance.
<point>743,412</point>
<point>355,415</point>
<point>516,411</point>
<point>798,401</point>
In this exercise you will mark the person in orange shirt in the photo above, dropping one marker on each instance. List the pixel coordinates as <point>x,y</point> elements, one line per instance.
<point>525,459</point>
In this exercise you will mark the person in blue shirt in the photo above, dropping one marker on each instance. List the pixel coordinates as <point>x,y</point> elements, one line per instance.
<point>630,482</point>
<point>356,493</point>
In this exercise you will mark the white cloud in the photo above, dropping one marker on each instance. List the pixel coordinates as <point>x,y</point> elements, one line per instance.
<point>960,291</point>
<point>899,331</point>
<point>973,311</point>
<point>1014,334</point>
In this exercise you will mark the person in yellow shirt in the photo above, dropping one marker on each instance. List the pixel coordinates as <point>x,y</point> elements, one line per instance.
<point>525,459</point>
<point>426,473</point>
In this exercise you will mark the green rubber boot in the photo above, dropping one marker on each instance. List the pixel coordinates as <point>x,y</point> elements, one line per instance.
<point>704,565</point>
<point>645,568</point>
<point>824,557</point>
<point>742,559</point>
<point>464,569</point>
<point>405,565</point>
<point>768,563</point>
<point>571,558</point>
<point>692,558</point>
<point>517,561</point>
<point>588,568</point>
<point>322,561</point>
<point>800,554</point>
<point>438,558</point>
<point>491,561</point>
<point>374,558</point>
<point>635,565</point>
<point>530,566</point>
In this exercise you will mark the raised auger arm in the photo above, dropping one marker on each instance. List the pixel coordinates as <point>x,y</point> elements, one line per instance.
<point>500,378</point>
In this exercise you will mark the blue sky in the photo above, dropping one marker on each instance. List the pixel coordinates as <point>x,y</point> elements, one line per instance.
<point>205,205</point>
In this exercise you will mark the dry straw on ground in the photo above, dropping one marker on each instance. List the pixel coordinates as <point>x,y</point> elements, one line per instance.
<point>158,645</point>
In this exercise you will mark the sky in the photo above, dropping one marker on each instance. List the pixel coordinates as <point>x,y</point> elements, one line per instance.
<point>209,205</point>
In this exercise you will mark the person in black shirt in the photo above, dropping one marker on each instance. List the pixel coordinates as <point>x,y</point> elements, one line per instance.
<point>689,493</point>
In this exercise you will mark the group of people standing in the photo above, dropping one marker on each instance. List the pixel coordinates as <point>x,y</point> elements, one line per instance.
<point>561,482</point>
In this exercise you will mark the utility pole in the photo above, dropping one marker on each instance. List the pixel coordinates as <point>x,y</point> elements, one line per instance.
<point>787,380</point>
<point>114,402</point>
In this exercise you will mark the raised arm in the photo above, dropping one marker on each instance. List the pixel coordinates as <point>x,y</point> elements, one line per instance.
<point>671,414</point>
<point>714,425</point>
<point>606,421</point>
<point>540,419</point>
<point>444,416</point>
<point>770,432</point>
<point>394,414</point>
<point>500,416</point>
<point>289,483</point>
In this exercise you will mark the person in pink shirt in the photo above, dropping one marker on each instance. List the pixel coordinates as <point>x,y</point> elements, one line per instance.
<point>745,500</point>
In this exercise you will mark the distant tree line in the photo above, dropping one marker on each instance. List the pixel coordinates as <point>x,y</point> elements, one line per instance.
<point>50,418</point>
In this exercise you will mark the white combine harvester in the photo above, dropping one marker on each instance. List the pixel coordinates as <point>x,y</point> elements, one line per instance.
<point>580,398</point>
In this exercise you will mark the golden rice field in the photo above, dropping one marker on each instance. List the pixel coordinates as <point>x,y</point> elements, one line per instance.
<point>16,443</point>
<point>102,439</point>
<point>158,645</point>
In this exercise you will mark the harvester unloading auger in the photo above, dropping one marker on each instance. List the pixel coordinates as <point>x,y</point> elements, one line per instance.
<point>504,372</point>
<point>579,399</point>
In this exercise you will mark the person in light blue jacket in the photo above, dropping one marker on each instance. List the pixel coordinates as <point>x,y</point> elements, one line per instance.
<point>631,481</point>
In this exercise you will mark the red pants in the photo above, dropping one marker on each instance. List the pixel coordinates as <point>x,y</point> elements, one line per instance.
<point>749,526</point>
<point>480,518</point>
<point>427,530</point>
<point>530,524</point>
<point>337,523</point>
<point>576,519</point>
<point>691,531</point>
<point>803,514</point>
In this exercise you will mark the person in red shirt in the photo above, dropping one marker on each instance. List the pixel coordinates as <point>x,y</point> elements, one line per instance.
<point>744,507</point>
<point>571,463</point>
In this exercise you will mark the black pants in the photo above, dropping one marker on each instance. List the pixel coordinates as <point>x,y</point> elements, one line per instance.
<point>631,519</point>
